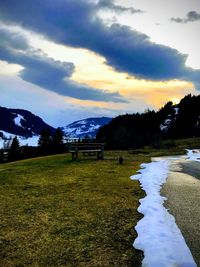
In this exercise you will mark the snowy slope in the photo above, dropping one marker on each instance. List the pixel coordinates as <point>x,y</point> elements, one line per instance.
<point>21,123</point>
<point>27,127</point>
<point>6,139</point>
<point>164,127</point>
<point>87,127</point>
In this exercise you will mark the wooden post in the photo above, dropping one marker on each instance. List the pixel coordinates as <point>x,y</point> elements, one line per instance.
<point>102,151</point>
<point>76,153</point>
<point>100,154</point>
<point>73,156</point>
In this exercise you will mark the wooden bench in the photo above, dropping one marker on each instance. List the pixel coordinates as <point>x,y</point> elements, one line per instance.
<point>87,149</point>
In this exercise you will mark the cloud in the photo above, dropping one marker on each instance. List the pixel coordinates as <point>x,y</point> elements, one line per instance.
<point>76,23</point>
<point>46,72</point>
<point>110,5</point>
<point>190,17</point>
<point>12,40</point>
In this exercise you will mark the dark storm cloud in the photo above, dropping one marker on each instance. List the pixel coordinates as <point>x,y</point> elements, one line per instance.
<point>190,17</point>
<point>47,72</point>
<point>75,23</point>
<point>109,4</point>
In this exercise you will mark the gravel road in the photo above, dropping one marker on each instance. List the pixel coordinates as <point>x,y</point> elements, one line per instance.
<point>183,201</point>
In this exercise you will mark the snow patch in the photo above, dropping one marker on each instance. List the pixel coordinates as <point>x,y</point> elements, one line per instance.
<point>158,235</point>
<point>81,128</point>
<point>165,125</point>
<point>176,111</point>
<point>7,137</point>
<point>18,119</point>
<point>193,154</point>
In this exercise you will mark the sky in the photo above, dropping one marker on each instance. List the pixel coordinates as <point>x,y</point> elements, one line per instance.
<point>67,60</point>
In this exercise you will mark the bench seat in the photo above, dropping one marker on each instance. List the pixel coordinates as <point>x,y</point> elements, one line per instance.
<point>84,151</point>
<point>87,149</point>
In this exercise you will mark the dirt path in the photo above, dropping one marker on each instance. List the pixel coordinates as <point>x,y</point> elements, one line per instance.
<point>183,193</point>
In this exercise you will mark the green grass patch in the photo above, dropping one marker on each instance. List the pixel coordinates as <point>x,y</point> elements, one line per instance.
<point>55,212</point>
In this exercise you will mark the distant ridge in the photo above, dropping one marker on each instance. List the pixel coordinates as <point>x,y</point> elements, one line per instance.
<point>27,126</point>
<point>87,127</point>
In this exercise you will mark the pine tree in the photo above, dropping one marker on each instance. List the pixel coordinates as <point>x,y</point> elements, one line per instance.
<point>57,141</point>
<point>45,142</point>
<point>14,152</point>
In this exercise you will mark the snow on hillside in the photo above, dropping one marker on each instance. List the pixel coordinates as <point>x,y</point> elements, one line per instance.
<point>18,119</point>
<point>87,127</point>
<point>165,125</point>
<point>7,139</point>
<point>22,122</point>
<point>176,111</point>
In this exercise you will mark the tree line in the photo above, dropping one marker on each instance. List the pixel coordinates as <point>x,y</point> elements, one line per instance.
<point>49,143</point>
<point>129,131</point>
<point>137,130</point>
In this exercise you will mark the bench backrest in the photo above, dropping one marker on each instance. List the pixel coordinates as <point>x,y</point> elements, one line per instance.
<point>85,146</point>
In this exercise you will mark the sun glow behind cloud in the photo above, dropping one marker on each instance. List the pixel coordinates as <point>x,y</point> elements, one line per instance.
<point>9,69</point>
<point>91,70</point>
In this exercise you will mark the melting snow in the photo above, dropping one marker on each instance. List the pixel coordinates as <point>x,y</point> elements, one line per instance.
<point>158,235</point>
<point>193,154</point>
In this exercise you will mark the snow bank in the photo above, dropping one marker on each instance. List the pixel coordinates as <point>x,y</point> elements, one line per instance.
<point>158,235</point>
<point>193,154</point>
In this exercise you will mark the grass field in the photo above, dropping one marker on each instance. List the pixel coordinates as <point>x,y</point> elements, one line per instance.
<point>55,212</point>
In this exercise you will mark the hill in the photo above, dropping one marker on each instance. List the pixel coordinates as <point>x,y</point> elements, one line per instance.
<point>27,127</point>
<point>21,123</point>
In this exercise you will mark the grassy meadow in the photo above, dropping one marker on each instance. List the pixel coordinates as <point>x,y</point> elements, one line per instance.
<point>56,212</point>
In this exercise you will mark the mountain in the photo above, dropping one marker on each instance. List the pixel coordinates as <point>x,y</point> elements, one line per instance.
<point>150,128</point>
<point>87,127</point>
<point>27,127</point>
<point>123,132</point>
<point>21,123</point>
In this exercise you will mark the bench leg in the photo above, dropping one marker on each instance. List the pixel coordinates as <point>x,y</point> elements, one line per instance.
<point>74,156</point>
<point>100,155</point>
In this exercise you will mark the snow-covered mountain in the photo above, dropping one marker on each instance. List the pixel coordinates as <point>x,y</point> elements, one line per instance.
<point>22,123</point>
<point>27,127</point>
<point>87,127</point>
